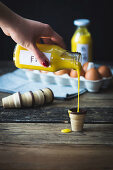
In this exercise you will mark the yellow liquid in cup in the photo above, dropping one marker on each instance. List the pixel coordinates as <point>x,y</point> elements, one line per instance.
<point>59,59</point>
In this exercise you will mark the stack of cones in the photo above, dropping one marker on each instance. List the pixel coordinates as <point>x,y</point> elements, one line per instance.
<point>28,99</point>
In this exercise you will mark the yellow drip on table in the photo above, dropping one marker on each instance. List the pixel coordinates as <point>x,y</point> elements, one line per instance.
<point>58,57</point>
<point>66,130</point>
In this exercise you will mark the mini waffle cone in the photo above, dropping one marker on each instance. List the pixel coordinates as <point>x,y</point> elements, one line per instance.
<point>39,97</point>
<point>12,101</point>
<point>27,99</point>
<point>7,102</point>
<point>17,100</point>
<point>77,121</point>
<point>48,95</point>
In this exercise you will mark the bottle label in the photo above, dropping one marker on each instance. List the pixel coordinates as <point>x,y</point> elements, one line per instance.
<point>83,49</point>
<point>28,58</point>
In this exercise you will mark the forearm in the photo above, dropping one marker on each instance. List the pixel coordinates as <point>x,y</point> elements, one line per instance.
<point>7,17</point>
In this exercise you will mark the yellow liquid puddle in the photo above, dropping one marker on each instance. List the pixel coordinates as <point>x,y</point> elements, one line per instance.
<point>66,130</point>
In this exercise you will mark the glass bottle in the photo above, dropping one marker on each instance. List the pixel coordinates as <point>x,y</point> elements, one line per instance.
<point>81,40</point>
<point>58,57</point>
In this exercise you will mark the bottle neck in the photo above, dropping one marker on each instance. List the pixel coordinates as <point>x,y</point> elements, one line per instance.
<point>82,29</point>
<point>71,60</point>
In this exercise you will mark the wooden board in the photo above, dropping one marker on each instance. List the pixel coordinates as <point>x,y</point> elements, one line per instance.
<point>55,114</point>
<point>56,157</point>
<point>50,133</point>
<point>32,146</point>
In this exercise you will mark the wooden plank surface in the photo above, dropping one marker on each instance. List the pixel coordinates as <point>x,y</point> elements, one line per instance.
<point>54,114</point>
<point>56,157</point>
<point>50,133</point>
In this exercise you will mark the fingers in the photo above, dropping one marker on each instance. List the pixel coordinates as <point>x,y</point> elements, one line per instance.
<point>56,38</point>
<point>48,32</point>
<point>43,60</point>
<point>47,41</point>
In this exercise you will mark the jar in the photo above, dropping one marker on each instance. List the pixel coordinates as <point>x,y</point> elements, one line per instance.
<point>81,40</point>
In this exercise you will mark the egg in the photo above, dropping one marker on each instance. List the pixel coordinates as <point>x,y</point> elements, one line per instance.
<point>104,71</point>
<point>61,72</point>
<point>87,66</point>
<point>74,74</point>
<point>92,74</point>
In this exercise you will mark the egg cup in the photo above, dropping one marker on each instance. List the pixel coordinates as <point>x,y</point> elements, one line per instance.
<point>77,119</point>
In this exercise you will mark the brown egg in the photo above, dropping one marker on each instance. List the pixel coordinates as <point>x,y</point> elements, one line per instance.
<point>64,71</point>
<point>92,74</point>
<point>85,65</point>
<point>74,74</point>
<point>104,71</point>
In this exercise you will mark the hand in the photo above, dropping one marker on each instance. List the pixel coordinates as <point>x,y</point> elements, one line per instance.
<point>27,32</point>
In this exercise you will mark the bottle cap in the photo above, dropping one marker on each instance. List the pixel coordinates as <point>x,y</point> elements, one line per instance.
<point>81,22</point>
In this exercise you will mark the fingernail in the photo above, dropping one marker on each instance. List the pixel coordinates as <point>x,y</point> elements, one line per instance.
<point>45,63</point>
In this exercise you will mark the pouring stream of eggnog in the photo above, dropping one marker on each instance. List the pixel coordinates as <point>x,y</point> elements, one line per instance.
<point>78,72</point>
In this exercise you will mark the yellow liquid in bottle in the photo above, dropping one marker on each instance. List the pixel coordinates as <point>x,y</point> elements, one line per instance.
<point>82,42</point>
<point>25,59</point>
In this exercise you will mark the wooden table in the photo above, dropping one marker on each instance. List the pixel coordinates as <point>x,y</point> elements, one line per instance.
<point>31,139</point>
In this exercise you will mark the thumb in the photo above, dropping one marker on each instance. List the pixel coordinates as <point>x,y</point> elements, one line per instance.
<point>43,60</point>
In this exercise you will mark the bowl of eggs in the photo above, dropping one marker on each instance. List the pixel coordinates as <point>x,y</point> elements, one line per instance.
<point>92,78</point>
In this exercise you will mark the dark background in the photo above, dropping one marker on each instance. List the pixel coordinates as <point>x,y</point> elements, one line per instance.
<point>60,14</point>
